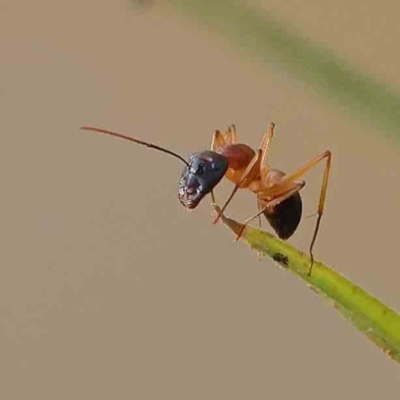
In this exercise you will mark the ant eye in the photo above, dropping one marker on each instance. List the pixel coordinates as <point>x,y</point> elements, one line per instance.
<point>200,169</point>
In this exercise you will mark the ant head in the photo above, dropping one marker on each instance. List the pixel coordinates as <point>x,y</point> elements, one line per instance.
<point>200,176</point>
<point>202,173</point>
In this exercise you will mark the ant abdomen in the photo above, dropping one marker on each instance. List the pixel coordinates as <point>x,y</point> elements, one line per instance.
<point>285,217</point>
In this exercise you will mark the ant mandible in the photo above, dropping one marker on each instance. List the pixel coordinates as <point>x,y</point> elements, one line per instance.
<point>277,193</point>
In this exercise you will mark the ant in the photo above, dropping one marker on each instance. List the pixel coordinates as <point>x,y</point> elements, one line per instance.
<point>278,193</point>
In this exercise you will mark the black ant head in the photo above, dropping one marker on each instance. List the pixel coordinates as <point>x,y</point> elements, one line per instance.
<point>202,173</point>
<point>200,176</point>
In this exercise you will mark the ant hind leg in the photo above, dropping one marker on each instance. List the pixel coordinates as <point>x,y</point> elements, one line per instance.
<point>292,178</point>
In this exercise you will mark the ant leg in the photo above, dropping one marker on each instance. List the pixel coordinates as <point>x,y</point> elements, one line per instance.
<point>265,143</point>
<point>298,174</point>
<point>259,209</point>
<point>286,192</point>
<point>255,164</point>
<point>217,141</point>
<point>231,135</point>
<point>252,168</point>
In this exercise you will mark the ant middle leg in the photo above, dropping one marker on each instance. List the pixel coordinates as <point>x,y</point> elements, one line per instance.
<point>265,145</point>
<point>266,142</point>
<point>280,194</point>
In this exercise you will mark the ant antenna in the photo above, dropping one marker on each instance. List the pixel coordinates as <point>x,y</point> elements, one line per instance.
<point>153,146</point>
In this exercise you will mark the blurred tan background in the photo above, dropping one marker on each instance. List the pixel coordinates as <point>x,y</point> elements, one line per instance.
<point>109,289</point>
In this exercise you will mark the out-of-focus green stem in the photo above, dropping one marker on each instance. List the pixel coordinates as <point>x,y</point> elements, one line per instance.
<point>260,35</point>
<point>373,318</point>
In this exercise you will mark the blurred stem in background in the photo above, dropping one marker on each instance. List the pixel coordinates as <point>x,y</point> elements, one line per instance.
<point>261,36</point>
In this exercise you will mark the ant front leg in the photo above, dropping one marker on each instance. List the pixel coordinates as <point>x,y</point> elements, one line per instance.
<point>254,168</point>
<point>220,140</point>
<point>217,141</point>
<point>231,135</point>
<point>251,170</point>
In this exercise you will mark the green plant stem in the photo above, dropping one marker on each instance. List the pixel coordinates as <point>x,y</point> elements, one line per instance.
<point>373,318</point>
